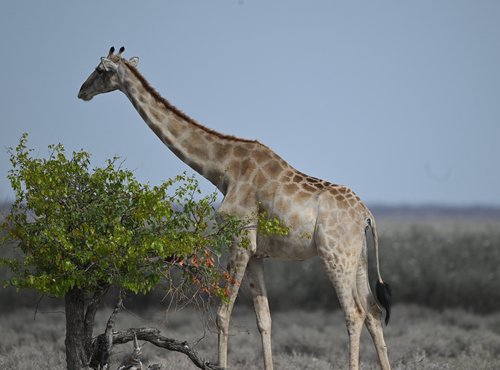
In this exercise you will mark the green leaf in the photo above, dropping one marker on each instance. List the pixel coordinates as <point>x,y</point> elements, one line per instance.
<point>88,227</point>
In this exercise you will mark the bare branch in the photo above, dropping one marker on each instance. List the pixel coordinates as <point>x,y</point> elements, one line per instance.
<point>154,337</point>
<point>92,306</point>
<point>103,344</point>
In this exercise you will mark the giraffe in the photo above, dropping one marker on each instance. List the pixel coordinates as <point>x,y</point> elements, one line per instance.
<point>325,220</point>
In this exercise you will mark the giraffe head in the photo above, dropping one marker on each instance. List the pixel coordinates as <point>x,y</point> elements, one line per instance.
<point>105,78</point>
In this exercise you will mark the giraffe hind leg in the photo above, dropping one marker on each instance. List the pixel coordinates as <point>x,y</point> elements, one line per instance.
<point>373,312</point>
<point>341,269</point>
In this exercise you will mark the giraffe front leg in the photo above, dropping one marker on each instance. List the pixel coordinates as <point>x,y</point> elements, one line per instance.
<point>259,294</point>
<point>237,266</point>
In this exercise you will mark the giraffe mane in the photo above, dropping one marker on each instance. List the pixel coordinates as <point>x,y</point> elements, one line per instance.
<point>156,95</point>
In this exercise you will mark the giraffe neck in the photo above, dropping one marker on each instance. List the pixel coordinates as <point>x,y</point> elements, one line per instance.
<point>194,144</point>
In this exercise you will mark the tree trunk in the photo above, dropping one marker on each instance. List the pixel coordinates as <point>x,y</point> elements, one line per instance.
<point>80,316</point>
<point>78,345</point>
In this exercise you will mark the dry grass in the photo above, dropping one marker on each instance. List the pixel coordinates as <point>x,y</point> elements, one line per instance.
<point>418,338</point>
<point>444,276</point>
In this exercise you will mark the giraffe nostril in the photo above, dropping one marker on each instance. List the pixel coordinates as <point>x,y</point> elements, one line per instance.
<point>84,96</point>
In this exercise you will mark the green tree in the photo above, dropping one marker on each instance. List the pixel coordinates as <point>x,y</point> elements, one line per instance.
<point>82,230</point>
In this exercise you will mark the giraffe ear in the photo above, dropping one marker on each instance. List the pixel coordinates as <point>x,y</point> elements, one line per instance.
<point>108,64</point>
<point>134,61</point>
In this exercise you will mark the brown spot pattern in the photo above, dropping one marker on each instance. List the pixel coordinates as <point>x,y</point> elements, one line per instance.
<point>273,168</point>
<point>176,129</point>
<point>290,188</point>
<point>261,155</point>
<point>309,188</point>
<point>297,178</point>
<point>221,150</point>
<point>155,115</point>
<point>240,151</point>
<point>260,179</point>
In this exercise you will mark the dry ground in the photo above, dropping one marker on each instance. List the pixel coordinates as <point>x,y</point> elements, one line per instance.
<point>417,337</point>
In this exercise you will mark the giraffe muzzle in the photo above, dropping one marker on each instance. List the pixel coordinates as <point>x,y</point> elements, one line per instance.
<point>84,96</point>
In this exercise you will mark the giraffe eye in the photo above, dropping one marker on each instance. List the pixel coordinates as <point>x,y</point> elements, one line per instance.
<point>100,69</point>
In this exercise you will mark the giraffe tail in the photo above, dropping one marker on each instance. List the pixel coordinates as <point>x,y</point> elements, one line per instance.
<point>382,290</point>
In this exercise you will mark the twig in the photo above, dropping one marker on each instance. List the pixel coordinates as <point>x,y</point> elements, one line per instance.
<point>108,333</point>
<point>37,305</point>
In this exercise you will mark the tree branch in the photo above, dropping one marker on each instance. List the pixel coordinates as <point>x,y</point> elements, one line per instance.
<point>103,343</point>
<point>89,317</point>
<point>153,336</point>
<point>92,306</point>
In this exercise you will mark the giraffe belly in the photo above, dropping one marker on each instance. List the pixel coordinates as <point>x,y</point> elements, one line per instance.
<point>293,247</point>
<point>299,216</point>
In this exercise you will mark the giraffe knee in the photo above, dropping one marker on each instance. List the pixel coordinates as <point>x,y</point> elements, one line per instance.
<point>354,319</point>
<point>264,321</point>
<point>360,311</point>
<point>222,321</point>
<point>356,311</point>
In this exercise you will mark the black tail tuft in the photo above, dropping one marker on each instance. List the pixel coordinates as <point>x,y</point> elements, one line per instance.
<point>384,295</point>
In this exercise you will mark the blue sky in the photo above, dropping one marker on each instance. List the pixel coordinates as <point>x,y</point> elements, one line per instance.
<point>398,100</point>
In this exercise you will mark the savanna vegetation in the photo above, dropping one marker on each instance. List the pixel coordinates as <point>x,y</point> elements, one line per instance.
<point>80,231</point>
<point>443,269</point>
<point>419,338</point>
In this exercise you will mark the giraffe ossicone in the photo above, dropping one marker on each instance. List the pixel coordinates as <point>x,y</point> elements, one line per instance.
<point>324,219</point>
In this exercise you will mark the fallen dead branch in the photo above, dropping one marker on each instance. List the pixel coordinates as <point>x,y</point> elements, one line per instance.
<point>151,335</point>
